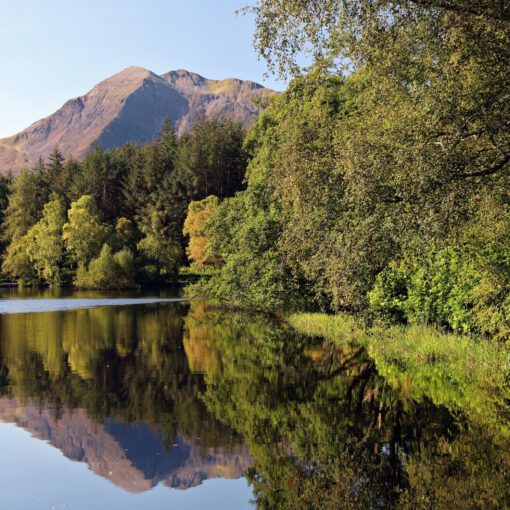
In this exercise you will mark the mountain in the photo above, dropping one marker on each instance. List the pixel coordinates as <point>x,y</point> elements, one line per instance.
<point>130,107</point>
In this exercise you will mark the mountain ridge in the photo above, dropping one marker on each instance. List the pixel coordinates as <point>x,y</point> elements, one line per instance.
<point>130,106</point>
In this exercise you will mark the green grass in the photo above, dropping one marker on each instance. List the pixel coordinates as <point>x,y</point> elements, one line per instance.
<point>460,372</point>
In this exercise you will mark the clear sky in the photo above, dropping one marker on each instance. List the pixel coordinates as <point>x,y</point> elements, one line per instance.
<point>53,50</point>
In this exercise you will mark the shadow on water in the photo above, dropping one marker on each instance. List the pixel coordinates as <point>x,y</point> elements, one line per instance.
<point>174,394</point>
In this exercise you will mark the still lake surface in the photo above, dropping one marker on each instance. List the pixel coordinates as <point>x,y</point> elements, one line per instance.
<point>150,402</point>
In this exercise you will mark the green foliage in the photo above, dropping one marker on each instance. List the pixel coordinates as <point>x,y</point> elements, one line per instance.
<point>44,243</point>
<point>125,261</point>
<point>16,263</point>
<point>84,233</point>
<point>134,196</point>
<point>27,197</point>
<point>244,233</point>
<point>4,196</point>
<point>40,252</point>
<point>58,175</point>
<point>330,32</point>
<point>439,290</point>
<point>263,247</point>
<point>199,251</point>
<point>212,160</point>
<point>101,176</point>
<point>162,253</point>
<point>408,154</point>
<point>463,289</point>
<point>108,270</point>
<point>389,296</point>
<point>126,231</point>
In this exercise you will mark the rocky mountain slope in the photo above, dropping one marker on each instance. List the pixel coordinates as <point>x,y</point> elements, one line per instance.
<point>131,107</point>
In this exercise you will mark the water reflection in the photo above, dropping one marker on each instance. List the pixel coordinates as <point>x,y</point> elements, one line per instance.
<point>174,394</point>
<point>111,387</point>
<point>326,431</point>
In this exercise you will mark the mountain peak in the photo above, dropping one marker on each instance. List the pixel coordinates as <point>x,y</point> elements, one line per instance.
<point>125,81</point>
<point>133,73</point>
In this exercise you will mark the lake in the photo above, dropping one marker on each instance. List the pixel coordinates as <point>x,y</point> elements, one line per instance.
<point>147,401</point>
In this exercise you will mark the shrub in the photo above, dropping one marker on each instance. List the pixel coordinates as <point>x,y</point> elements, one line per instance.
<point>107,271</point>
<point>449,287</point>
<point>390,293</point>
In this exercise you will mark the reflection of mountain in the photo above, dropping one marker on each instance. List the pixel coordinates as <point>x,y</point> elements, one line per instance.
<point>134,456</point>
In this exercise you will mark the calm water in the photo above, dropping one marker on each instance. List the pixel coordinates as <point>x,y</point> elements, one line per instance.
<point>145,402</point>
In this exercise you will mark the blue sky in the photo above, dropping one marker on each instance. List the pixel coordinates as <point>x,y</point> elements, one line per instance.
<point>53,50</point>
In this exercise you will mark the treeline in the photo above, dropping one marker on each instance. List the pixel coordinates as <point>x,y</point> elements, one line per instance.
<point>115,219</point>
<point>379,182</point>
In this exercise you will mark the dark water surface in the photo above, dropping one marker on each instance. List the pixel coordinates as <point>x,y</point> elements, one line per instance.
<point>151,403</point>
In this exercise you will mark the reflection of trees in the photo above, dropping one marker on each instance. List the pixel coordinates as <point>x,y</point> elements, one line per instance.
<point>326,431</point>
<point>126,363</point>
<point>467,472</point>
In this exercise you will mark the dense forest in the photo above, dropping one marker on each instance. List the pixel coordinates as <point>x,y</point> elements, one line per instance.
<point>115,219</point>
<point>377,183</point>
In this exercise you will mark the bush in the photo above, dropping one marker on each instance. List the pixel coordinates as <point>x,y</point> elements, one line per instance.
<point>449,287</point>
<point>108,271</point>
<point>389,296</point>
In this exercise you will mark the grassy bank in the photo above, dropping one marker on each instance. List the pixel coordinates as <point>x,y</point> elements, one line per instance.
<point>459,372</point>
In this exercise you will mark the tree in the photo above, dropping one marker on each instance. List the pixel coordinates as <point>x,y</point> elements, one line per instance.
<point>5,183</point>
<point>84,233</point>
<point>40,252</point>
<point>141,191</point>
<point>447,58</point>
<point>195,227</point>
<point>391,159</point>
<point>125,268</point>
<point>161,252</point>
<point>44,244</point>
<point>17,263</point>
<point>58,175</point>
<point>101,176</point>
<point>4,195</point>
<point>126,231</point>
<point>168,144</point>
<point>273,237</point>
<point>27,197</point>
<point>212,160</point>
<point>244,233</point>
<point>329,30</point>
